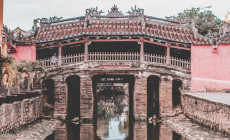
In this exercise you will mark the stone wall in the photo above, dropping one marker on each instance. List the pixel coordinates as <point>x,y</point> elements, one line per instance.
<point>213,71</point>
<point>165,96</point>
<point>13,115</point>
<point>209,113</point>
<point>86,98</point>
<point>140,99</point>
<point>60,105</point>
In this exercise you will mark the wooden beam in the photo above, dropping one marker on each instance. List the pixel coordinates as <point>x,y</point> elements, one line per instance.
<point>166,45</point>
<point>62,44</point>
<point>113,40</point>
<point>71,43</point>
<point>46,47</point>
<point>181,48</point>
<point>117,40</point>
<point>156,43</point>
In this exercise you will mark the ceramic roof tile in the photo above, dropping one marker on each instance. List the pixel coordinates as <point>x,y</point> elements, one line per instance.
<point>119,27</point>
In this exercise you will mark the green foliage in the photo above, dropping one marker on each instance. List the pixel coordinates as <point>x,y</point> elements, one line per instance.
<point>16,72</point>
<point>205,21</point>
<point>33,70</point>
<point>6,69</point>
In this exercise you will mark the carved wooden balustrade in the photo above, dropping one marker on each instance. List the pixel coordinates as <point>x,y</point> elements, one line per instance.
<point>119,57</point>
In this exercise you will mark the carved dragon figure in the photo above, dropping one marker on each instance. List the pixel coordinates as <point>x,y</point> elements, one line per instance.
<point>136,12</point>
<point>93,12</point>
<point>45,21</point>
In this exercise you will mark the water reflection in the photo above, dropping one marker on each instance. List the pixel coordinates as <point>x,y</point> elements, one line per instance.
<point>113,124</point>
<point>112,116</point>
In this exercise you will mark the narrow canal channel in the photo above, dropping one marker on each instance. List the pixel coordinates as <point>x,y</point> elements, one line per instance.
<point>113,123</point>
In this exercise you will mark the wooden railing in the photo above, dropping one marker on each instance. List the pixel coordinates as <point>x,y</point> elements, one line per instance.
<point>119,57</point>
<point>180,63</point>
<point>74,58</point>
<point>48,63</point>
<point>153,58</point>
<point>114,56</point>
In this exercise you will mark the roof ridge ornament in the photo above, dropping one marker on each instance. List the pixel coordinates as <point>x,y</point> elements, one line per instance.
<point>93,12</point>
<point>136,12</point>
<point>45,21</point>
<point>114,12</point>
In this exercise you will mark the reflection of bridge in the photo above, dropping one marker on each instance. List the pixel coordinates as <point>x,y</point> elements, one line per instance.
<point>151,55</point>
<point>137,131</point>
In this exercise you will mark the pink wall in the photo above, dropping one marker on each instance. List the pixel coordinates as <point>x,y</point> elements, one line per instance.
<point>210,70</point>
<point>27,52</point>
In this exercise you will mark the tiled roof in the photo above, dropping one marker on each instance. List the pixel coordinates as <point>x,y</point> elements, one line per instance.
<point>114,24</point>
<point>170,31</point>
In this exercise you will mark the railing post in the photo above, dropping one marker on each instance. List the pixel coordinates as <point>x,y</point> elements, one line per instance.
<point>59,55</point>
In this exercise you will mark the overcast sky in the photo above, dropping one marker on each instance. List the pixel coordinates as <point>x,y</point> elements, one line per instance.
<point>21,13</point>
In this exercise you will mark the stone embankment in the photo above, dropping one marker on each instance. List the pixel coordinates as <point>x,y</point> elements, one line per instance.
<point>18,110</point>
<point>210,109</point>
<point>37,130</point>
<point>193,131</point>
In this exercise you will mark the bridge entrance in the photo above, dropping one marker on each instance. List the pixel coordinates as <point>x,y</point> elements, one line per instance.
<point>48,87</point>
<point>153,96</point>
<point>176,88</point>
<point>110,87</point>
<point>73,100</point>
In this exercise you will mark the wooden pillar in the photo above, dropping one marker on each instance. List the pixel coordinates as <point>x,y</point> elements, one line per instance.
<point>168,58</point>
<point>142,50</point>
<point>86,53</point>
<point>142,55</point>
<point>59,55</point>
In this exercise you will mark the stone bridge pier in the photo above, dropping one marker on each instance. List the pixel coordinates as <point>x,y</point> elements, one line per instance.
<point>87,99</point>
<point>60,97</point>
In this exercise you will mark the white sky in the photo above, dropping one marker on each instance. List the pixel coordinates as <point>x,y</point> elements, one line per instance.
<point>21,13</point>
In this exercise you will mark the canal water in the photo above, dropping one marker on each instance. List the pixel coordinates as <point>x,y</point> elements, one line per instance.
<point>113,124</point>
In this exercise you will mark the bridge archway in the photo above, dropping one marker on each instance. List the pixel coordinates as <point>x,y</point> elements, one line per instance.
<point>176,93</point>
<point>73,98</point>
<point>153,83</point>
<point>107,79</point>
<point>48,87</point>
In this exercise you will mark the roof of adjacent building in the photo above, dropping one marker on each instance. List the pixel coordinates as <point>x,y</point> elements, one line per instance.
<point>115,24</point>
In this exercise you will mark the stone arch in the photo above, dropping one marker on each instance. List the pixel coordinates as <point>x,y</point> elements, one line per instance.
<point>73,96</point>
<point>176,92</point>
<point>130,80</point>
<point>153,84</point>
